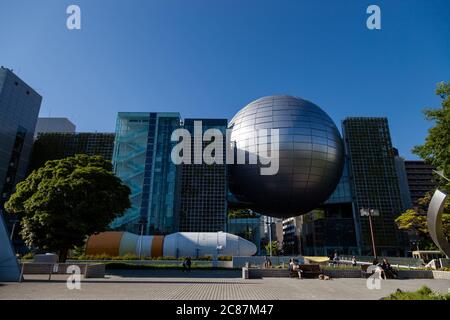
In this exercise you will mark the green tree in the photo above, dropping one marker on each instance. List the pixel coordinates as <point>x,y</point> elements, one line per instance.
<point>241,213</point>
<point>415,221</point>
<point>436,149</point>
<point>274,245</point>
<point>67,200</point>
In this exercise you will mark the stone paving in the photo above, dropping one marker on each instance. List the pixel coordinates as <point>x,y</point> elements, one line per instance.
<point>205,285</point>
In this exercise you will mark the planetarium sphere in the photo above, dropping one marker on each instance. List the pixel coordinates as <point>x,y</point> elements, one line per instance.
<point>311,156</point>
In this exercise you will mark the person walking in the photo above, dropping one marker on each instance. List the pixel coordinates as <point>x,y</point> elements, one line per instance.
<point>188,264</point>
<point>354,262</point>
<point>335,258</point>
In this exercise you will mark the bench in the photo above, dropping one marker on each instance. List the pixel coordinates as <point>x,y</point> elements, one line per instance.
<point>308,271</point>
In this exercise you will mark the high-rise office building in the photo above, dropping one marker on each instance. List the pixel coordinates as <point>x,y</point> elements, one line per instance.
<point>292,233</point>
<point>55,145</point>
<point>374,182</point>
<point>142,159</point>
<point>19,109</point>
<point>204,186</point>
<point>402,181</point>
<point>420,179</point>
<point>60,125</point>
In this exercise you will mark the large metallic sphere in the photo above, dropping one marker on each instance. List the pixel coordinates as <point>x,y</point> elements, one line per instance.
<point>311,156</point>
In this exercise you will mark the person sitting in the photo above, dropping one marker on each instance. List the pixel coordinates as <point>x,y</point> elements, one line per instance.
<point>296,268</point>
<point>290,265</point>
<point>388,270</point>
<point>379,269</point>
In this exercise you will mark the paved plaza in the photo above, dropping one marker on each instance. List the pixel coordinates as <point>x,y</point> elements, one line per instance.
<point>205,285</point>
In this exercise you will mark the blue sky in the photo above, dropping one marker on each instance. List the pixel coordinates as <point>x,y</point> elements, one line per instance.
<point>209,58</point>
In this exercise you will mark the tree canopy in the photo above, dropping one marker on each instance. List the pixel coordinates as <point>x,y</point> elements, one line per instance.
<point>436,151</point>
<point>415,221</point>
<point>63,202</point>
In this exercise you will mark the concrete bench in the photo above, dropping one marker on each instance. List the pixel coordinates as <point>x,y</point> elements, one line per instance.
<point>258,273</point>
<point>310,270</point>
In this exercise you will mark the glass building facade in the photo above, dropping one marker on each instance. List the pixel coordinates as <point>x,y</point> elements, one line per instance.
<point>374,182</point>
<point>19,109</point>
<point>420,179</point>
<point>204,186</point>
<point>142,159</point>
<point>247,228</point>
<point>332,227</point>
<point>59,145</point>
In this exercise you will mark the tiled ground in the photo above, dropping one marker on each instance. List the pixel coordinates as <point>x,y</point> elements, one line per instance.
<point>205,285</point>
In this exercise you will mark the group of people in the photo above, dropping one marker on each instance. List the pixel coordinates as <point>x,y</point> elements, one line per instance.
<point>385,269</point>
<point>267,263</point>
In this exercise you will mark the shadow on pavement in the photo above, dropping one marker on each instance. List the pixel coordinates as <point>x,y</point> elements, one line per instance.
<point>228,274</point>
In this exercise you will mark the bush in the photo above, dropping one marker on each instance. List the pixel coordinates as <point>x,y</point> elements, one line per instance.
<point>127,256</point>
<point>424,293</point>
<point>102,256</point>
<point>225,258</point>
<point>130,266</point>
<point>204,258</point>
<point>28,256</point>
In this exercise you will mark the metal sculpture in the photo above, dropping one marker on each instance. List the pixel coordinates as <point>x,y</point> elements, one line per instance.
<point>434,221</point>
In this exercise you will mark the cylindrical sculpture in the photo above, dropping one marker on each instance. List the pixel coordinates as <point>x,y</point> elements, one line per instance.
<point>180,244</point>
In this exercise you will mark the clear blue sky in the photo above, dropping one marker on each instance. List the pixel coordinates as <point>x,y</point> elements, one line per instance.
<point>209,58</point>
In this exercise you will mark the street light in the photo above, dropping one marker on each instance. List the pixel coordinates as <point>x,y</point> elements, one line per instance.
<point>270,235</point>
<point>142,223</point>
<point>369,212</point>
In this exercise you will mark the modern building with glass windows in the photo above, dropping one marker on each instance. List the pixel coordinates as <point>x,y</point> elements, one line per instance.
<point>59,145</point>
<point>51,125</point>
<point>332,226</point>
<point>142,159</point>
<point>420,179</point>
<point>204,186</point>
<point>19,109</point>
<point>375,184</point>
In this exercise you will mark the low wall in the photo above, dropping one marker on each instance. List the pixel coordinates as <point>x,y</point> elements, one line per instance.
<point>239,262</point>
<point>339,273</point>
<point>96,270</point>
<point>403,261</point>
<point>200,263</point>
<point>257,273</point>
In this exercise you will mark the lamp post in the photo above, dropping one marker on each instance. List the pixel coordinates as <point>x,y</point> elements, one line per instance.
<point>269,226</point>
<point>142,223</point>
<point>369,212</point>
